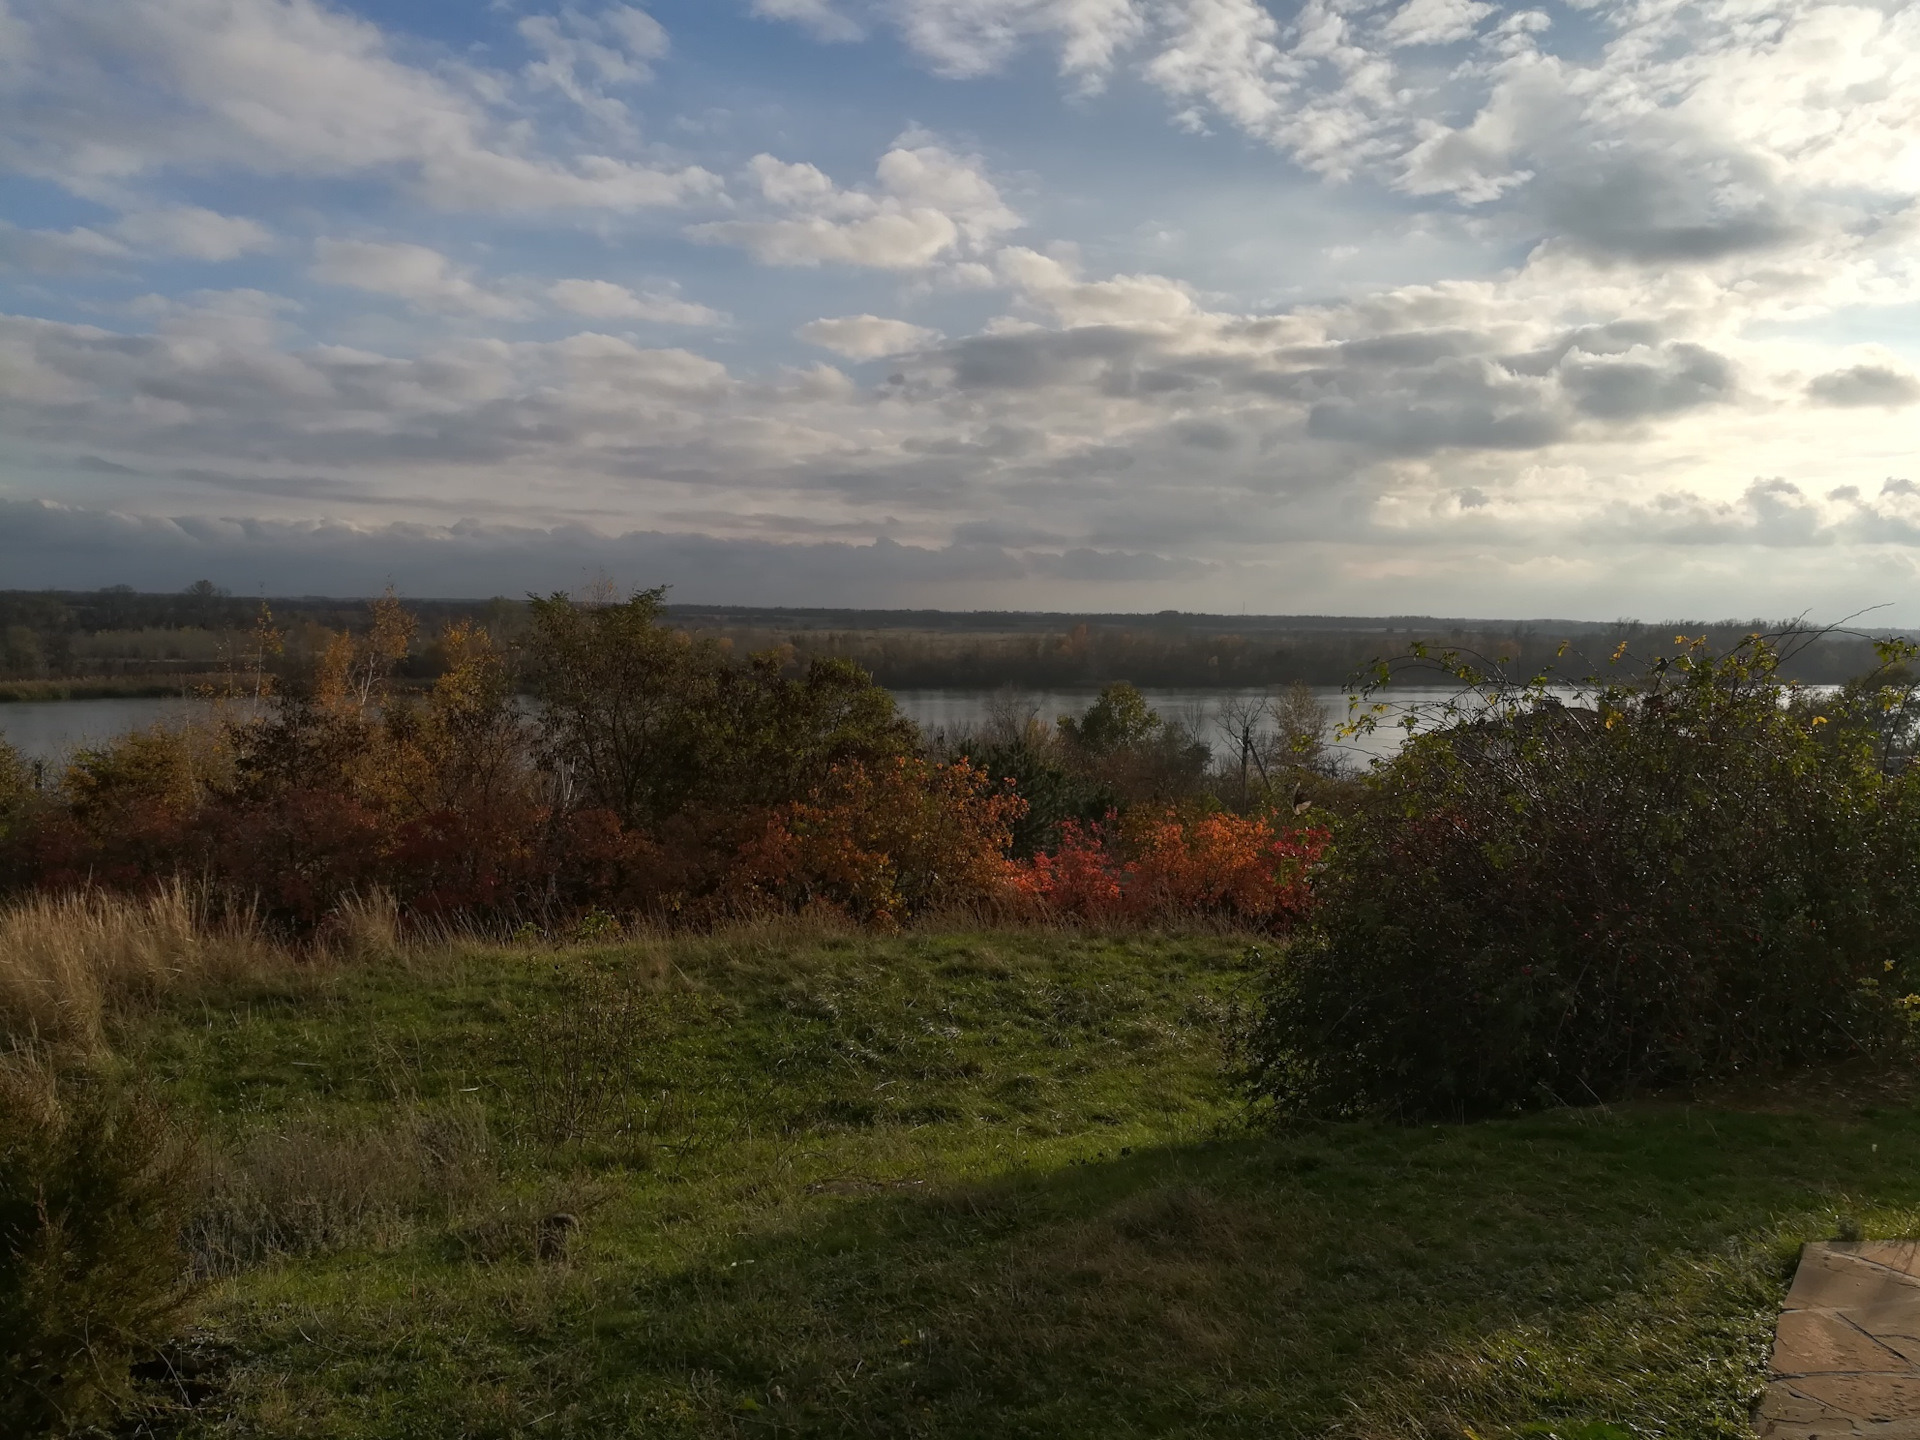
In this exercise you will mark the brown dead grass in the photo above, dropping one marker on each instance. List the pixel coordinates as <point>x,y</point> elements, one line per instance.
<point>69,962</point>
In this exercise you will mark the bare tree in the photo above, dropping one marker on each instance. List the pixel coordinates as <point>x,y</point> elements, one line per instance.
<point>1246,722</point>
<point>1012,718</point>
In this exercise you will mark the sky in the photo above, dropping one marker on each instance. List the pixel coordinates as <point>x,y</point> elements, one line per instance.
<point>1341,306</point>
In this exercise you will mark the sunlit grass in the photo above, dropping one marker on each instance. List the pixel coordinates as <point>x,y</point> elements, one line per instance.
<point>989,1185</point>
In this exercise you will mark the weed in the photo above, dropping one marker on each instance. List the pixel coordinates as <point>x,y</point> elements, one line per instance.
<point>577,1055</point>
<point>306,1189</point>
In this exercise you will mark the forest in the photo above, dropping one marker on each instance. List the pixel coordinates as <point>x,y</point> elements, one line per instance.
<point>55,644</point>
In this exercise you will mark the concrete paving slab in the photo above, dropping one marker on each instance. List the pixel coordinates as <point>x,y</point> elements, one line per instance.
<point>1846,1353</point>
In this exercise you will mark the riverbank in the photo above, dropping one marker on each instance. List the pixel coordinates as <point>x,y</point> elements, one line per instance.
<point>183,687</point>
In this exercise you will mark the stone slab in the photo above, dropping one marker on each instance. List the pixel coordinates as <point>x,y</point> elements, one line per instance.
<point>1846,1353</point>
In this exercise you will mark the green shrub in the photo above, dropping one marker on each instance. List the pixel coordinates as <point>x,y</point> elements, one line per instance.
<point>660,727</point>
<point>93,1194</point>
<point>1698,875</point>
<point>16,788</point>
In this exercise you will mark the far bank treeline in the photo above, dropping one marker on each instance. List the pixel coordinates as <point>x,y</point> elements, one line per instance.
<point>600,765</point>
<point>120,642</point>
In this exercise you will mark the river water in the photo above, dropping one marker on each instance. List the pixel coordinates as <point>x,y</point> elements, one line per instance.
<point>50,731</point>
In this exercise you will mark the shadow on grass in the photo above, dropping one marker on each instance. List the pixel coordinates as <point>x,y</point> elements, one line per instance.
<point>1599,1265</point>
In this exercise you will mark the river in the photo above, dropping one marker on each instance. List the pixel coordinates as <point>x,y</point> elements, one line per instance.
<point>50,731</point>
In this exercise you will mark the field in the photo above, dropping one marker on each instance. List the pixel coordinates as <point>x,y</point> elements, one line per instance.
<point>782,1182</point>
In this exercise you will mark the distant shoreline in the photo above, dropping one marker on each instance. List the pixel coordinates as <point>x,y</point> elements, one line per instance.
<point>29,692</point>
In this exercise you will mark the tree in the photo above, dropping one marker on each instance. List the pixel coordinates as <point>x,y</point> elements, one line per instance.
<point>652,724</point>
<point>628,706</point>
<point>1120,719</point>
<point>1121,743</point>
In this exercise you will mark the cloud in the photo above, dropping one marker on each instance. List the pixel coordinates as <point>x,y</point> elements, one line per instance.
<point>1121,300</point>
<point>1435,22</point>
<point>1655,206</point>
<point>928,205</point>
<point>1127,424</point>
<point>817,16</point>
<point>1648,135</point>
<point>423,277</point>
<point>604,300</point>
<point>1865,385</point>
<point>193,233</point>
<point>1646,381</point>
<point>101,93</point>
<point>979,36</point>
<point>866,337</point>
<point>45,544</point>
<point>56,252</point>
<point>584,56</point>
<point>430,282</point>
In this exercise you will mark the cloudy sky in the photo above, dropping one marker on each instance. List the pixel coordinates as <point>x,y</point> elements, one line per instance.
<point>1359,306</point>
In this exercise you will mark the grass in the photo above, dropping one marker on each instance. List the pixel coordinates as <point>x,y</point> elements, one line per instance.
<point>69,962</point>
<point>966,1185</point>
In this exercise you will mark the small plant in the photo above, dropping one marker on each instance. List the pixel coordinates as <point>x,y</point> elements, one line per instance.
<point>94,1191</point>
<point>594,928</point>
<point>579,1055</point>
<point>310,1189</point>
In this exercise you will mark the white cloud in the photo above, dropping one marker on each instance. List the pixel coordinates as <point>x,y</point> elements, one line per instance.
<point>109,90</point>
<point>193,233</point>
<point>1121,300</point>
<point>584,56</point>
<point>929,205</point>
<point>56,252</point>
<point>1435,22</point>
<point>1686,132</point>
<point>224,319</point>
<point>975,37</point>
<point>866,337</point>
<point>818,16</point>
<point>414,273</point>
<point>604,300</point>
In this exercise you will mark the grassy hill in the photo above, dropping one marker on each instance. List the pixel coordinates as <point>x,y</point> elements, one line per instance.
<point>939,1185</point>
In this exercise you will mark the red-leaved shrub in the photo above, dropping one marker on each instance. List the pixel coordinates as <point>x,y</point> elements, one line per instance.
<point>882,843</point>
<point>1161,865</point>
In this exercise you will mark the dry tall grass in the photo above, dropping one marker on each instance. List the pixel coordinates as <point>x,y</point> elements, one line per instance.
<point>306,1188</point>
<point>68,962</point>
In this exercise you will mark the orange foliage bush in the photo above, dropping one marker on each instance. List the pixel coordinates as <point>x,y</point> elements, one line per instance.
<point>1158,865</point>
<point>882,843</point>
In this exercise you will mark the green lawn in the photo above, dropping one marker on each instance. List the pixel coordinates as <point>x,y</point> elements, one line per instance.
<point>980,1185</point>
